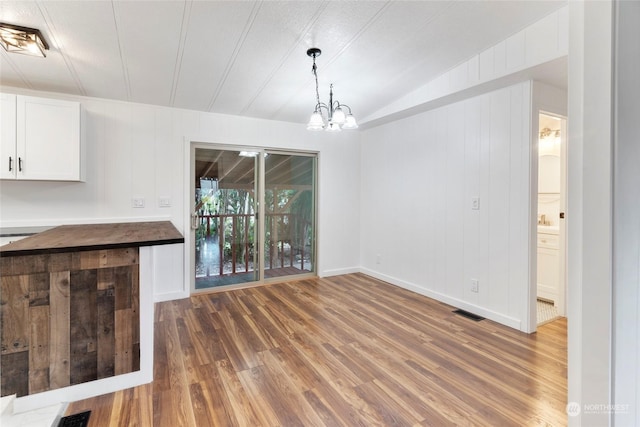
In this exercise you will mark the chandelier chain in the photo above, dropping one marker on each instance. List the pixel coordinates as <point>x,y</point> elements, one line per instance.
<point>314,69</point>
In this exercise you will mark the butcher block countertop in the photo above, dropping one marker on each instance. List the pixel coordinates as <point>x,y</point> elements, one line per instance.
<point>90,237</point>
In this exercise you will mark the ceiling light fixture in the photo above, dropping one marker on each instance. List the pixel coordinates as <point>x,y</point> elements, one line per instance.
<point>548,133</point>
<point>28,41</point>
<point>337,119</point>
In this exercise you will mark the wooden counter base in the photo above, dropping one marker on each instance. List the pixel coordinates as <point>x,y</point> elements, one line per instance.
<point>68,318</point>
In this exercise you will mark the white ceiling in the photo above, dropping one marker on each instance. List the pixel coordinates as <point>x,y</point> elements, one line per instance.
<point>249,57</point>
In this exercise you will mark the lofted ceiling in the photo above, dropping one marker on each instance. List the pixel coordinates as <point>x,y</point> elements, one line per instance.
<point>249,57</point>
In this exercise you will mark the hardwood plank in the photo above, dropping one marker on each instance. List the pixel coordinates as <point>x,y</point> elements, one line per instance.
<point>14,298</point>
<point>145,404</point>
<point>123,320</point>
<point>39,290</point>
<point>106,339</point>
<point>345,350</point>
<point>15,373</point>
<point>123,358</point>
<point>201,405</point>
<point>59,346</point>
<point>60,262</point>
<point>39,348</point>
<point>122,286</point>
<point>135,302</point>
<point>24,264</point>
<point>235,405</point>
<point>83,329</point>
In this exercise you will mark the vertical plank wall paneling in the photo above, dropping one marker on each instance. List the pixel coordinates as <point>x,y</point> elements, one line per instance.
<point>68,318</point>
<point>138,151</point>
<point>418,178</point>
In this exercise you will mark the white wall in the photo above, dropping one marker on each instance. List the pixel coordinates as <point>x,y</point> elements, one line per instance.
<point>626,205</point>
<point>589,210</point>
<point>136,150</point>
<point>419,176</point>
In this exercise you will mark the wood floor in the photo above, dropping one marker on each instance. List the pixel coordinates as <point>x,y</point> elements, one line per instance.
<point>343,351</point>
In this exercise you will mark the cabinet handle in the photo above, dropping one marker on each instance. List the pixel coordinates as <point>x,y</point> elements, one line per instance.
<point>10,164</point>
<point>19,164</point>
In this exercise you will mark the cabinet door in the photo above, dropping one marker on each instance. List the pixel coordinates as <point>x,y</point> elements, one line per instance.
<point>48,139</point>
<point>8,157</point>
<point>548,265</point>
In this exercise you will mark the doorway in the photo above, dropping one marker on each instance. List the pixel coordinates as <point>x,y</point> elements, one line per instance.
<point>235,243</point>
<point>551,225</point>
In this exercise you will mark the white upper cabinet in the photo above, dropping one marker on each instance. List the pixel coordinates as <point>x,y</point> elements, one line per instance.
<point>8,157</point>
<point>40,139</point>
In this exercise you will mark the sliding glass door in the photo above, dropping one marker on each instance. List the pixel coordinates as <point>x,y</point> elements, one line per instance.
<point>229,186</point>
<point>225,217</point>
<point>289,200</point>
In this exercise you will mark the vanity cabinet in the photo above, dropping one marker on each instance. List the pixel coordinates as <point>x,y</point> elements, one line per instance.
<point>40,139</point>
<point>548,266</point>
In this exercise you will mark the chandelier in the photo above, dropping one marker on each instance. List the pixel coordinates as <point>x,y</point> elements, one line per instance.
<point>337,119</point>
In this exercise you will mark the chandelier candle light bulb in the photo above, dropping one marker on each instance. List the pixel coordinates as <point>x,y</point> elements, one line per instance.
<point>336,119</point>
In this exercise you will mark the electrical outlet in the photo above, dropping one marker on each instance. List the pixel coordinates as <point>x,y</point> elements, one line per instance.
<point>137,202</point>
<point>475,283</point>
<point>164,202</point>
<point>378,259</point>
<point>475,203</point>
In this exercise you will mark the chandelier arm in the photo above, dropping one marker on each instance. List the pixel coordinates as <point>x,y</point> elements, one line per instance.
<point>321,105</point>
<point>345,106</point>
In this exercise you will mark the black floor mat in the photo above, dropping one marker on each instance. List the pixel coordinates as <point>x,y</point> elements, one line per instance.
<point>76,420</point>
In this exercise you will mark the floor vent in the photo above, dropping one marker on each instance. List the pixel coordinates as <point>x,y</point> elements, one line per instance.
<point>469,315</point>
<point>76,420</point>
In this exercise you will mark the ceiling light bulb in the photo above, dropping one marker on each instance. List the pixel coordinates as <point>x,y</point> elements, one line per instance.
<point>316,122</point>
<point>350,122</point>
<point>338,116</point>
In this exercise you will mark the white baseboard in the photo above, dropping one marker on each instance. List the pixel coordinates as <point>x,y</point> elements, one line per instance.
<point>170,296</point>
<point>455,302</point>
<point>339,271</point>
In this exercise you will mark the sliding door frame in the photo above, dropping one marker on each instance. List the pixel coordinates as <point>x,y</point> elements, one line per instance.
<point>314,243</point>
<point>189,233</point>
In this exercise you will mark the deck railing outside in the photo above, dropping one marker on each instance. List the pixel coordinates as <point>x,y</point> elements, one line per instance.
<point>286,231</point>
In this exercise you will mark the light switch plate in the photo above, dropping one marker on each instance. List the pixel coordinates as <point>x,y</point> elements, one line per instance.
<point>475,203</point>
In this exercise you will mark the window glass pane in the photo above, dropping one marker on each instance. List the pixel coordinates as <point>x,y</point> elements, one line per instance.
<point>289,242</point>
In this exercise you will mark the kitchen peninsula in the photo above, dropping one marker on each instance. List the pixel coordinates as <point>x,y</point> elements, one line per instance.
<point>76,309</point>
